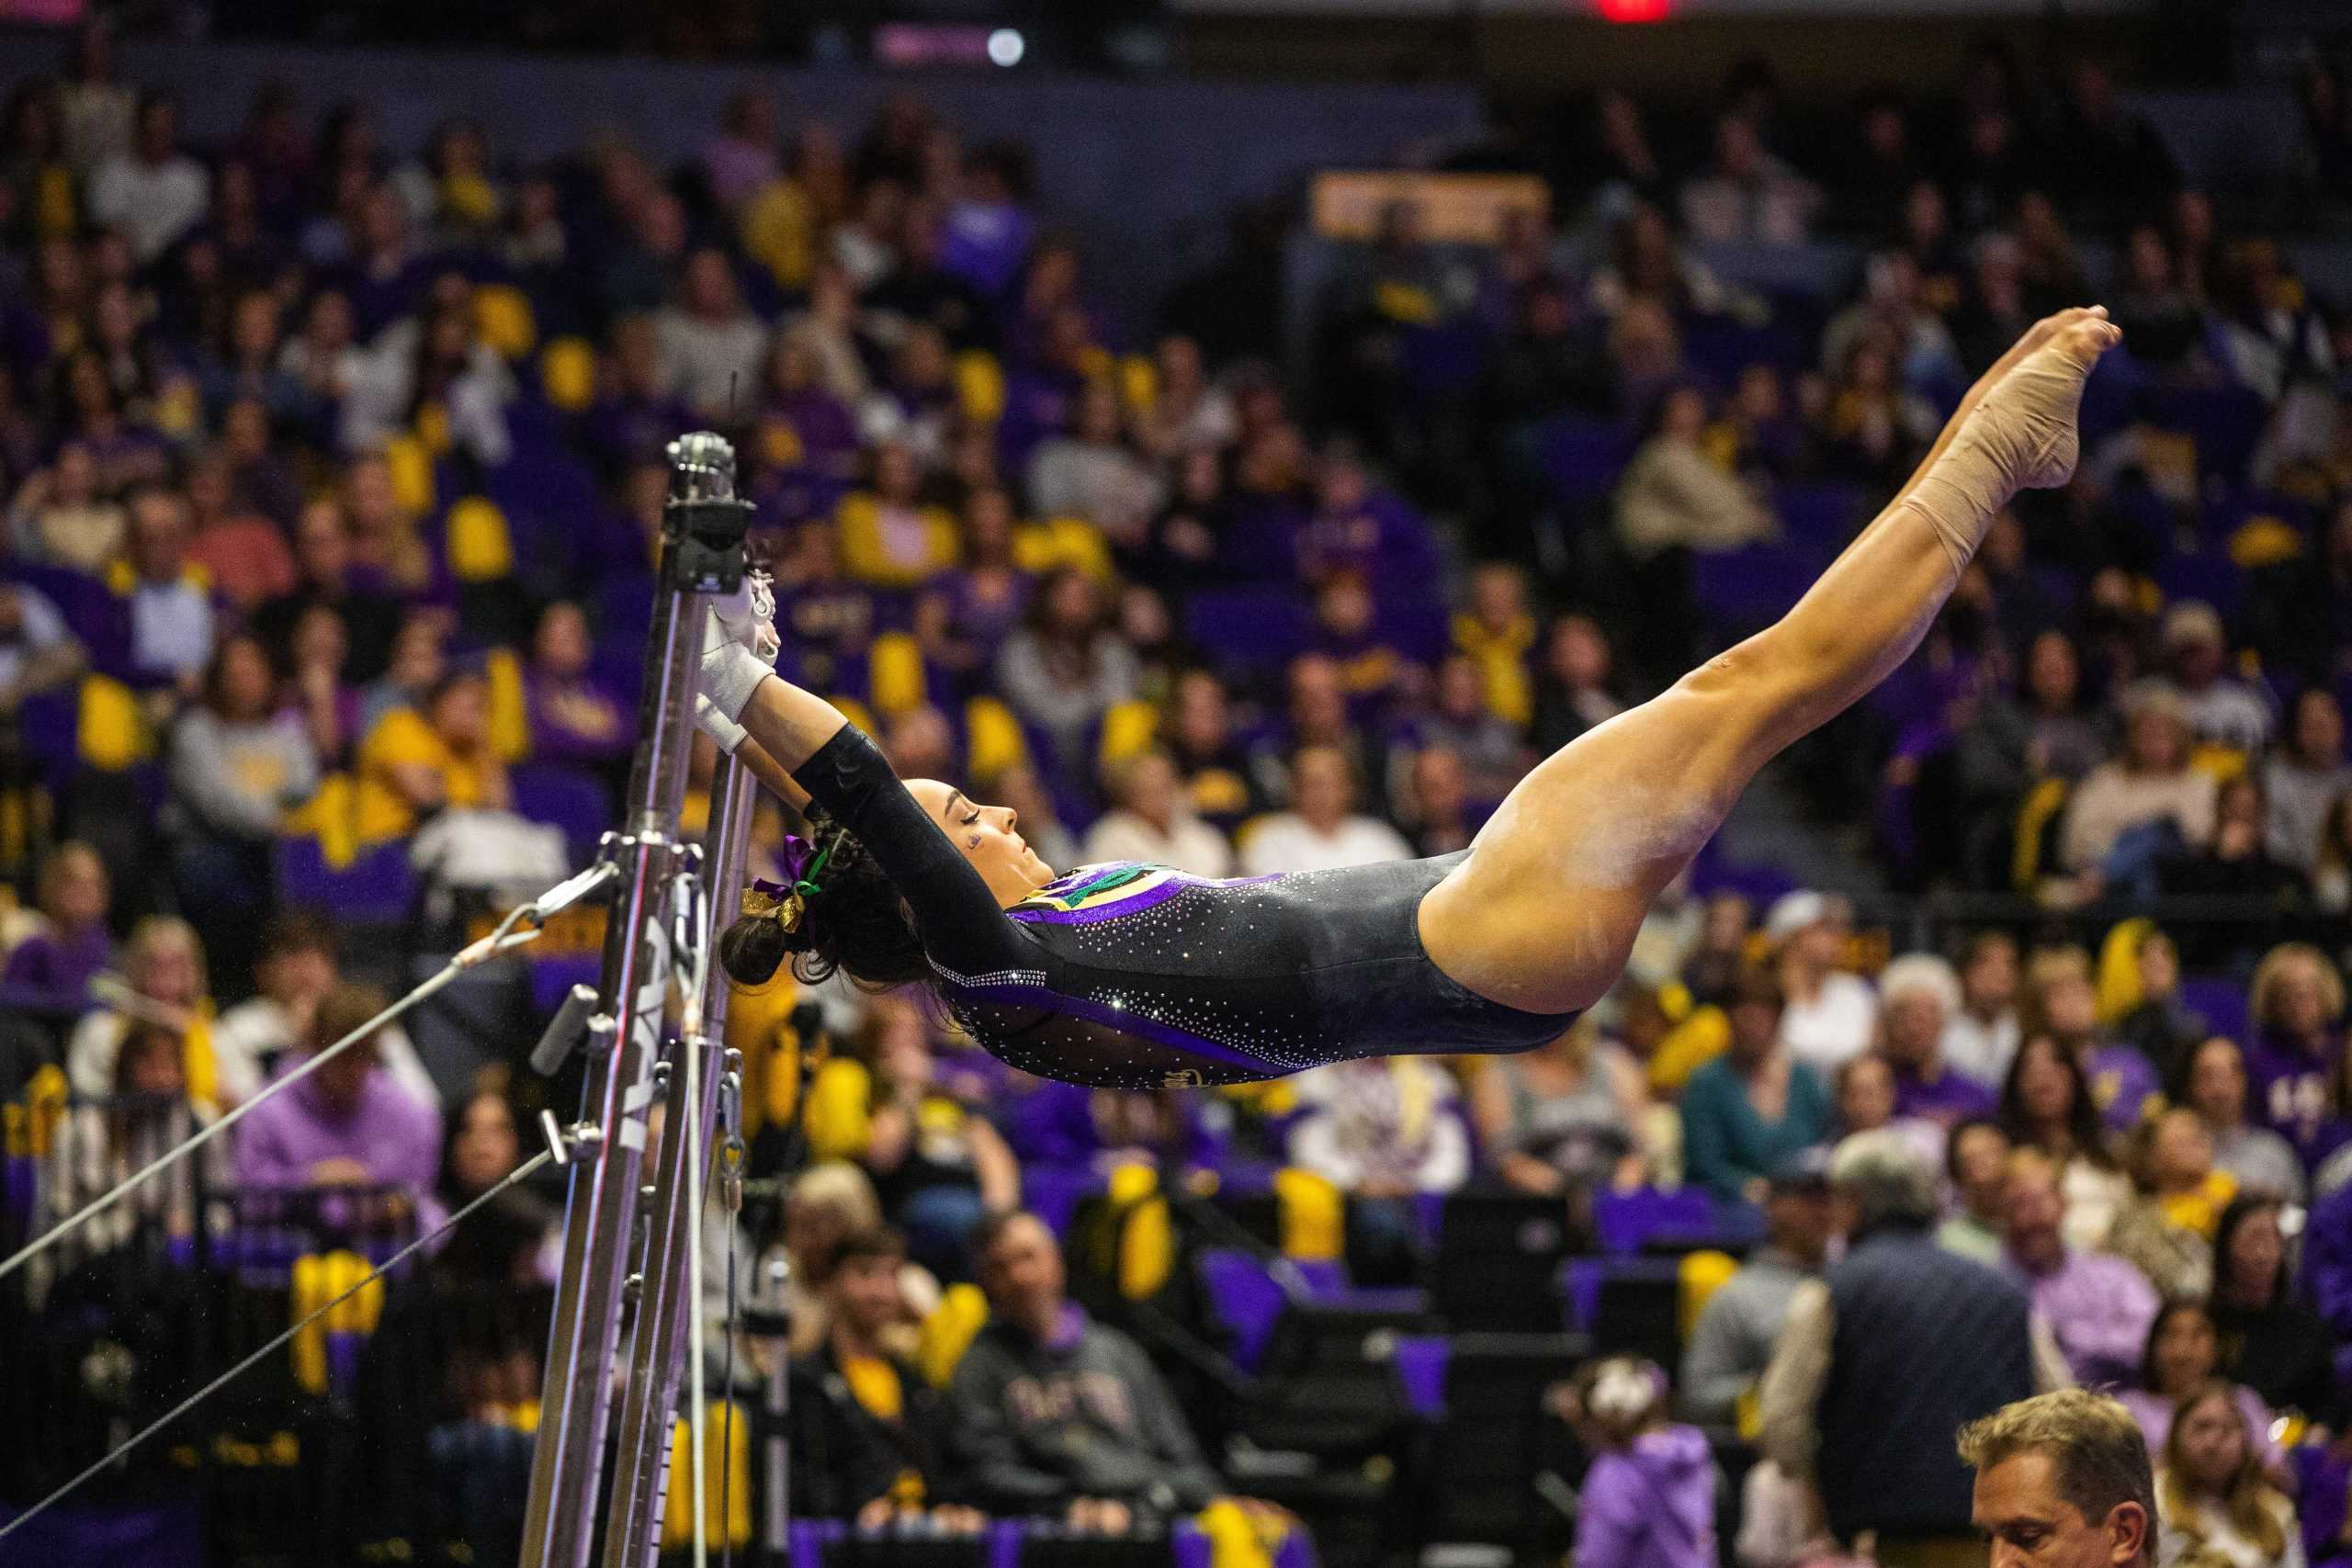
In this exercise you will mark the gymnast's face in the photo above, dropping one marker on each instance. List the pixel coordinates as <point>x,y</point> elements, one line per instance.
<point>987,836</point>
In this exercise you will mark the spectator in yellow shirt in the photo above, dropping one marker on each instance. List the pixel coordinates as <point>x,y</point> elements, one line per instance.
<point>418,761</point>
<point>889,539</point>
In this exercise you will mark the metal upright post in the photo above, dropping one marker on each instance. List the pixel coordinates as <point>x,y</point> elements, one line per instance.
<point>641,1457</point>
<point>702,537</point>
<point>770,1322</point>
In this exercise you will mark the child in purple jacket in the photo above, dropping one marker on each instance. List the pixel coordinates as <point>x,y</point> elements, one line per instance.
<point>1649,1498</point>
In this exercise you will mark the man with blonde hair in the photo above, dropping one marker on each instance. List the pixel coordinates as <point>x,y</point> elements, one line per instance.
<point>2063,1481</point>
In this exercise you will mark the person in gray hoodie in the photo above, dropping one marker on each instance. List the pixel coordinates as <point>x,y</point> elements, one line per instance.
<point>1055,1413</point>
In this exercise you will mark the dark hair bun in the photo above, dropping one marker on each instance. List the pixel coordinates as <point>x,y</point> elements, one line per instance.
<point>752,949</point>
<point>856,924</point>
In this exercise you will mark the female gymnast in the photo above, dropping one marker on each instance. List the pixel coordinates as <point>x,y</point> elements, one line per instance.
<point>1134,976</point>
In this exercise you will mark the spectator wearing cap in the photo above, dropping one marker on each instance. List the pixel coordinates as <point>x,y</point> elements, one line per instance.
<point>1732,1342</point>
<point>1981,1034</point>
<point>2149,801</point>
<point>1976,1158</point>
<point>1827,1015</point>
<point>2097,1306</point>
<point>1917,994</point>
<point>2219,709</point>
<point>2305,777</point>
<point>1755,1105</point>
<point>1900,1344</point>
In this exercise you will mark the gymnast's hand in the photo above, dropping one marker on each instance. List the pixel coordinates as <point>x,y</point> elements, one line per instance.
<point>739,648</point>
<point>746,616</point>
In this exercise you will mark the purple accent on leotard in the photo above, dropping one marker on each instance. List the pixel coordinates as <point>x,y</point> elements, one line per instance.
<point>1036,998</point>
<point>1175,882</point>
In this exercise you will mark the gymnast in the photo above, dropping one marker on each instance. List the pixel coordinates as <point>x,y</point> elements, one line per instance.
<point>1132,975</point>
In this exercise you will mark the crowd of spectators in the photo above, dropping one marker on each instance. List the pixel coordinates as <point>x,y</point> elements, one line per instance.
<point>334,472</point>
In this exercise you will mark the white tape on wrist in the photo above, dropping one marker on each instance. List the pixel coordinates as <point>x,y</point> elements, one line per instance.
<point>731,673</point>
<point>716,724</point>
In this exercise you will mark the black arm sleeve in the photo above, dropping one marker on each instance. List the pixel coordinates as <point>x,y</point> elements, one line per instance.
<point>962,925</point>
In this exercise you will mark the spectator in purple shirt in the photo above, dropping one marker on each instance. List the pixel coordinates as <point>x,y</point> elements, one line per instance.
<point>1359,528</point>
<point>1649,1499</point>
<point>1917,994</point>
<point>573,719</point>
<point>2296,1060</point>
<point>2122,1080</point>
<point>2097,1306</point>
<point>988,228</point>
<point>2183,1355</point>
<point>51,970</point>
<point>349,1123</point>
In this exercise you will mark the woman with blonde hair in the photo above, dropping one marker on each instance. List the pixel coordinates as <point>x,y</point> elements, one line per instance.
<point>2295,1061</point>
<point>2212,1494</point>
<point>163,983</point>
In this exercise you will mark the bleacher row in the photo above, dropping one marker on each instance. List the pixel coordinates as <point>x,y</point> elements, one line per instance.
<point>1380,1415</point>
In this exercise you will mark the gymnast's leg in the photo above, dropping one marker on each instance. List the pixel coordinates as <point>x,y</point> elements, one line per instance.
<point>1544,912</point>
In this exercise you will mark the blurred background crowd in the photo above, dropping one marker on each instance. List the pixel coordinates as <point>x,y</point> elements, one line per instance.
<point>332,471</point>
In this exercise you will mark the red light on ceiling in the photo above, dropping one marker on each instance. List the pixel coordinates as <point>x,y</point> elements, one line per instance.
<point>1634,10</point>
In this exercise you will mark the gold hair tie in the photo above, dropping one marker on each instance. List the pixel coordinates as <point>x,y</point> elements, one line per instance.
<point>759,902</point>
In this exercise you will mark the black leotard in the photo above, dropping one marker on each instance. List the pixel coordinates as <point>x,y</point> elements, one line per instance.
<point>1133,976</point>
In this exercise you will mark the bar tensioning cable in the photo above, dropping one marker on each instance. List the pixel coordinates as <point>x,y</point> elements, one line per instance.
<point>257,1357</point>
<point>503,938</point>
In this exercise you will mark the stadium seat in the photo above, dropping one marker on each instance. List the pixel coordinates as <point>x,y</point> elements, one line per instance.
<point>563,797</point>
<point>378,887</point>
<point>1582,457</point>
